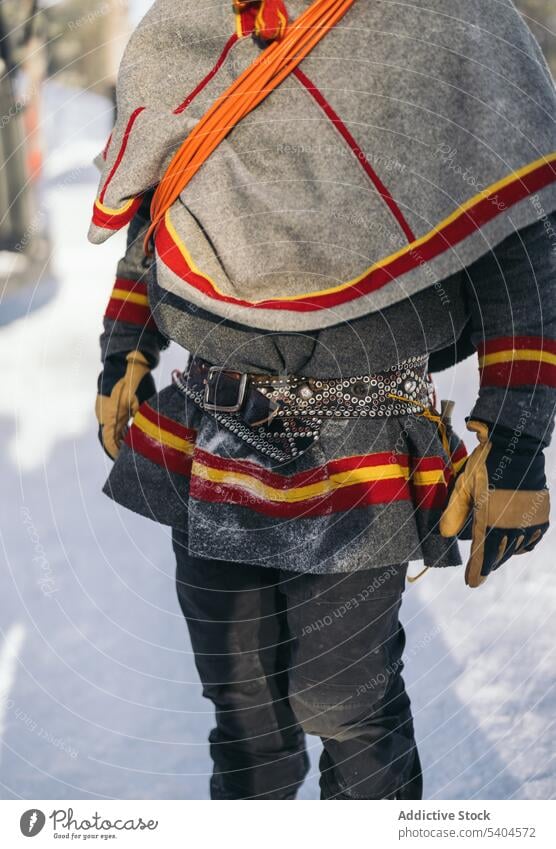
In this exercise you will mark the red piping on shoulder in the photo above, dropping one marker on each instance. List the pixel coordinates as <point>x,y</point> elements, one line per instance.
<point>361,158</point>
<point>133,117</point>
<point>206,79</point>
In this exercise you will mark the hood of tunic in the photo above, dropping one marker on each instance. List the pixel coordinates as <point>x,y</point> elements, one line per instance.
<point>408,143</point>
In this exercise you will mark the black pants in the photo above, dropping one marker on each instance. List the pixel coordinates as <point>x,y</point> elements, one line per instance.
<point>280,654</point>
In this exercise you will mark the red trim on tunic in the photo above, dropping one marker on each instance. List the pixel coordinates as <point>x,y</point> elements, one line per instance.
<point>337,501</point>
<point>319,473</point>
<point>506,343</point>
<point>162,455</point>
<point>356,495</point>
<point>519,373</point>
<point>106,146</point>
<point>333,116</point>
<point>457,229</point>
<point>133,117</point>
<point>115,220</point>
<point>206,79</point>
<point>168,424</point>
<point>423,496</point>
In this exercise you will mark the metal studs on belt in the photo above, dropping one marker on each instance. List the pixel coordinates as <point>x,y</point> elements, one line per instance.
<point>304,392</point>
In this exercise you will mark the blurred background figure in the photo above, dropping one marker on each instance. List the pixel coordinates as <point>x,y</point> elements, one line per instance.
<point>23,246</point>
<point>75,44</point>
<point>86,41</point>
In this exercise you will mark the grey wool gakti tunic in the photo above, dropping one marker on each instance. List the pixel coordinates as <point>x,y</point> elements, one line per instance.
<point>359,216</point>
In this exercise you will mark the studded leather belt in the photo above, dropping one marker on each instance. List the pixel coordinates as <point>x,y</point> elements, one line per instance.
<point>281,415</point>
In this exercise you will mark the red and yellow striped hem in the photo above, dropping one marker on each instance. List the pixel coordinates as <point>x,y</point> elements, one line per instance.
<point>343,484</point>
<point>162,440</point>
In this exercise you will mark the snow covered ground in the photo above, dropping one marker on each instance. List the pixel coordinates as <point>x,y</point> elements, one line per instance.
<point>99,696</point>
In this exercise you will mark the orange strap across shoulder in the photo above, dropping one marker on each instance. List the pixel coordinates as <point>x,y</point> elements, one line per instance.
<point>264,74</point>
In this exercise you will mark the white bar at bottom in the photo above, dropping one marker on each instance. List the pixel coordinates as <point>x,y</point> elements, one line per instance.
<point>259,825</point>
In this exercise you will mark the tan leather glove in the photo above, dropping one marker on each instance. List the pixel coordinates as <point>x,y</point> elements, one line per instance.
<point>114,410</point>
<point>502,492</point>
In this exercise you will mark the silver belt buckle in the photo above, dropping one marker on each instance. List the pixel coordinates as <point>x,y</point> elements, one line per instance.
<point>219,408</point>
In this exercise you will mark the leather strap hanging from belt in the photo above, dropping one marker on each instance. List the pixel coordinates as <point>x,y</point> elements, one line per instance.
<point>262,76</point>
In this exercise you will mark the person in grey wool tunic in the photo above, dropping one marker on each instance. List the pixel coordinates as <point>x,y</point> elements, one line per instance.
<point>384,212</point>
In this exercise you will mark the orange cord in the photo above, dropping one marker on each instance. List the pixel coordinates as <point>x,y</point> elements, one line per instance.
<point>268,70</point>
<point>432,416</point>
<point>412,578</point>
